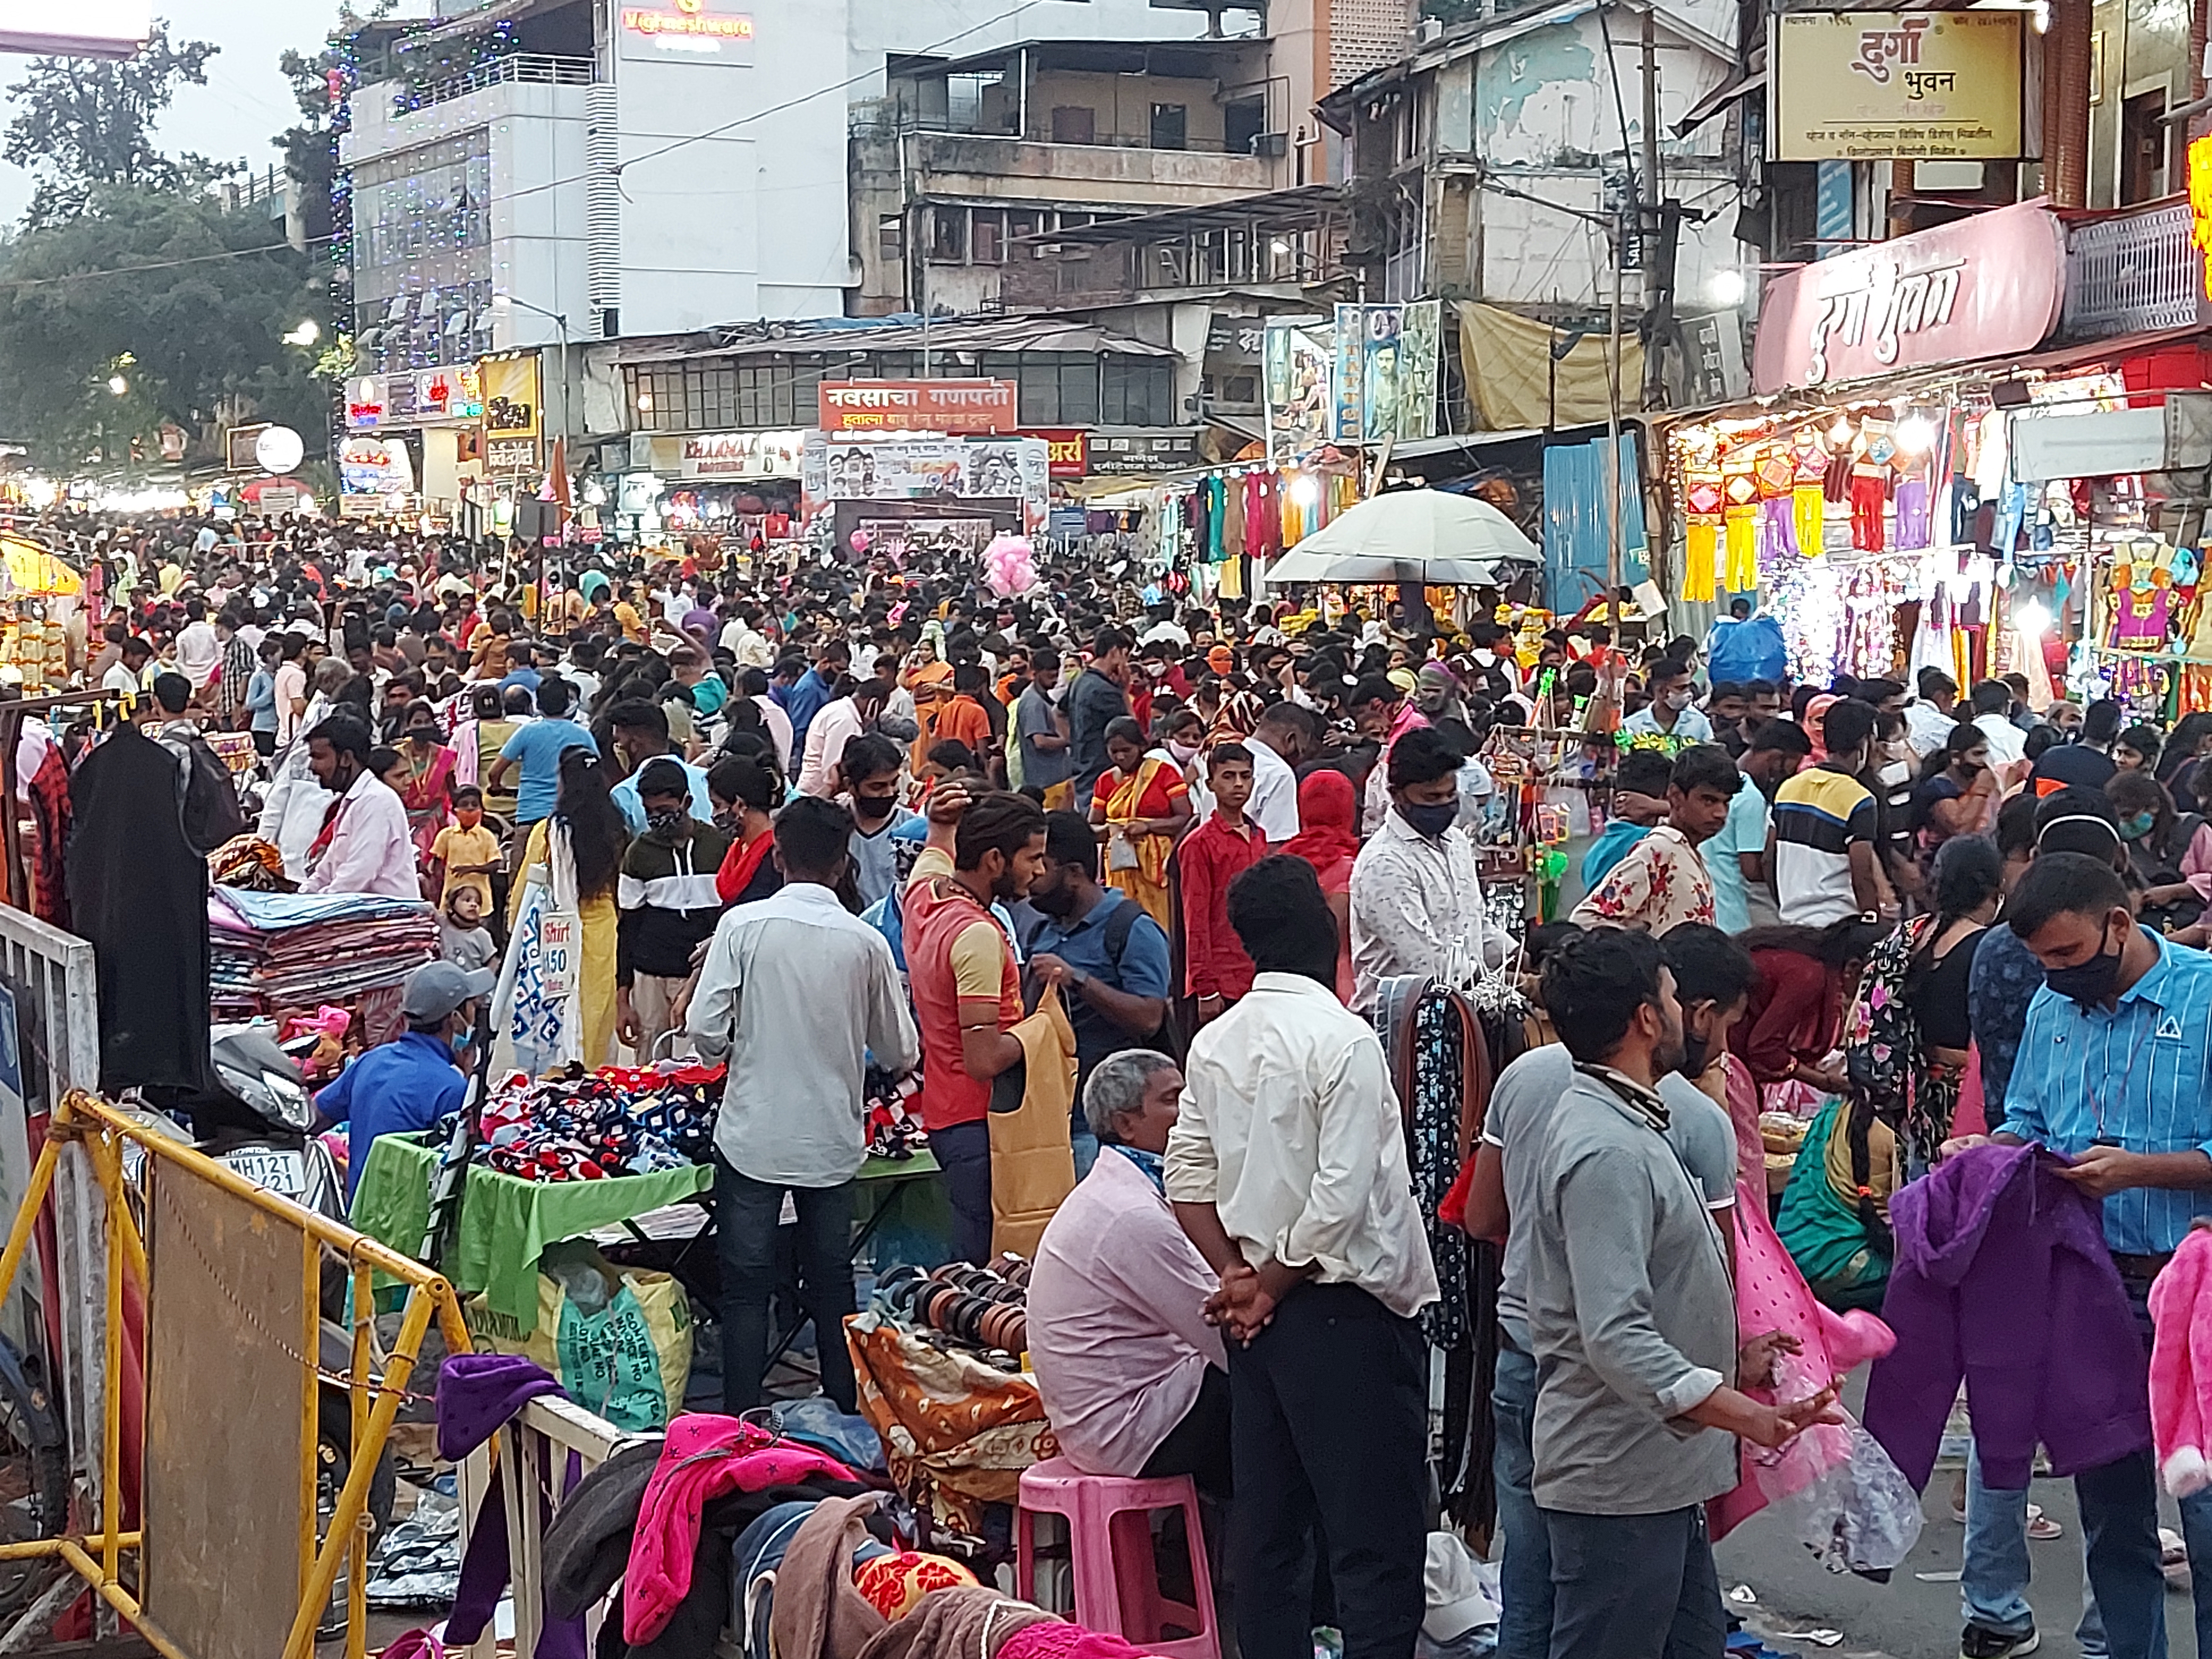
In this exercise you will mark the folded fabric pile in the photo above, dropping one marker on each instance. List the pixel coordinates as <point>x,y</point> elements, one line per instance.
<point>985,1308</point>
<point>279,951</point>
<point>614,1121</point>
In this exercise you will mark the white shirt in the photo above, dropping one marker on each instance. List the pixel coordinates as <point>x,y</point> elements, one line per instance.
<point>369,850</point>
<point>1413,900</point>
<point>1290,1128</point>
<point>2008,742</point>
<point>795,993</point>
<point>837,725</point>
<point>778,731</point>
<point>119,678</point>
<point>1927,730</point>
<point>199,651</point>
<point>748,645</point>
<point>1691,725</point>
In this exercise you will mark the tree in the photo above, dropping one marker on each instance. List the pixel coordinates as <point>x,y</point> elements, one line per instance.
<point>311,148</point>
<point>195,298</point>
<point>79,124</point>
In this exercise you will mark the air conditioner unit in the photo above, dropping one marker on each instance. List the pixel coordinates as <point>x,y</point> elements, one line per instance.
<point>1272,145</point>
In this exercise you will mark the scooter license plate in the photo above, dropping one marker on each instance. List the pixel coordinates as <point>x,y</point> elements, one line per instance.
<point>272,1169</point>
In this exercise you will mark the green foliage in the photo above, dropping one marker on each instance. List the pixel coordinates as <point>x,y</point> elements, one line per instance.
<point>81,125</point>
<point>196,298</point>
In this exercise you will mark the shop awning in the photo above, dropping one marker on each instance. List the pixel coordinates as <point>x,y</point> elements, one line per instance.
<point>998,334</point>
<point>1742,85</point>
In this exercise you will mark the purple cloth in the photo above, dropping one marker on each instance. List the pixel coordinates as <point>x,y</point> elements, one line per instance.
<point>1913,529</point>
<point>478,1394</point>
<point>2002,1277</point>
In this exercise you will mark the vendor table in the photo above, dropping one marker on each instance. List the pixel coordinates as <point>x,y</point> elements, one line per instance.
<point>506,1222</point>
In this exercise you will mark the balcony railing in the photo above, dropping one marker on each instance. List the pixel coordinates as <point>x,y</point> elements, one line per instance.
<point>2132,275</point>
<point>528,68</point>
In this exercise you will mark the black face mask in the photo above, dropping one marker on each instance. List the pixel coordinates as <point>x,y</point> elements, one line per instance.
<point>2090,981</point>
<point>1057,902</point>
<point>1429,821</point>
<point>873,809</point>
<point>1697,1051</point>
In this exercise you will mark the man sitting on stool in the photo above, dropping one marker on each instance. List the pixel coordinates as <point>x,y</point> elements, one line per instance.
<point>1133,1378</point>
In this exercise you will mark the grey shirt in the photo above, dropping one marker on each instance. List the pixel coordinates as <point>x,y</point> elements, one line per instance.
<point>1035,717</point>
<point>1630,1311</point>
<point>1094,703</point>
<point>1521,1100</point>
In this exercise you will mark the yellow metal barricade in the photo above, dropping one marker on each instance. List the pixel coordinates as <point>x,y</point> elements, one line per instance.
<point>98,1558</point>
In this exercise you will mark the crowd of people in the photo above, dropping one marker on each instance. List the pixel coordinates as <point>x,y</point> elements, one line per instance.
<point>817,821</point>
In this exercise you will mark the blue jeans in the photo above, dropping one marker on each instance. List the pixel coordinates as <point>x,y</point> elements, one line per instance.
<point>1995,1572</point>
<point>1085,1146</point>
<point>1635,1586</point>
<point>1524,1572</point>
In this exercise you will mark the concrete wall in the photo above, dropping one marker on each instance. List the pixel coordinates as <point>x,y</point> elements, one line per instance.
<point>1121,106</point>
<point>962,29</point>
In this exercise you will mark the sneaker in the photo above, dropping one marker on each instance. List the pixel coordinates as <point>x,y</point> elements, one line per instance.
<point>1979,1642</point>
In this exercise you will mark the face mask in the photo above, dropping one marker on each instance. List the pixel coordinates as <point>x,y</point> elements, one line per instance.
<point>1429,821</point>
<point>873,809</point>
<point>468,816</point>
<point>1185,753</point>
<point>667,825</point>
<point>2089,982</point>
<point>2139,825</point>
<point>1677,701</point>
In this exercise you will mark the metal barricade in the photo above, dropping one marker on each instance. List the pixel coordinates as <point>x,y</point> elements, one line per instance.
<point>224,1257</point>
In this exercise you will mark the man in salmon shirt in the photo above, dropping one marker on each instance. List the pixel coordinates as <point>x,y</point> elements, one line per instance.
<point>967,987</point>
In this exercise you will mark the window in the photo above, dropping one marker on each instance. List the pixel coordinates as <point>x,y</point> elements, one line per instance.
<point>986,236</point>
<point>1137,391</point>
<point>1023,223</point>
<point>1170,126</point>
<point>1074,124</point>
<point>890,238</point>
<point>1243,390</point>
<point>1242,122</point>
<point>948,235</point>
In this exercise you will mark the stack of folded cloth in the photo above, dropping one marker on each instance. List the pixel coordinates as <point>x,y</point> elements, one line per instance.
<point>275,952</point>
<point>616,1121</point>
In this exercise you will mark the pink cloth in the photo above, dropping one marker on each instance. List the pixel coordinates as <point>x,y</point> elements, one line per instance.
<point>704,1457</point>
<point>1054,1638</point>
<point>2181,1365</point>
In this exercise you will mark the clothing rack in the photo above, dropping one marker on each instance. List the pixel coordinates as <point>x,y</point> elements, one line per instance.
<point>121,705</point>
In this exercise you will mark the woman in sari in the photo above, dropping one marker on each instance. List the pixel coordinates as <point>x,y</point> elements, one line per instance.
<point>426,780</point>
<point>1143,804</point>
<point>1329,840</point>
<point>569,869</point>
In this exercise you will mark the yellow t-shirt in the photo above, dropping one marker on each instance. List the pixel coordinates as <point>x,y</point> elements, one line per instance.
<point>979,952</point>
<point>455,845</point>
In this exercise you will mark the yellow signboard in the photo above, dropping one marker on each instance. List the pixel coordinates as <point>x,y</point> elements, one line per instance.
<point>1908,85</point>
<point>510,388</point>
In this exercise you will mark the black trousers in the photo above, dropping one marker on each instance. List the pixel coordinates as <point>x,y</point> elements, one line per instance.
<point>745,1216</point>
<point>1198,1445</point>
<point>1329,1427</point>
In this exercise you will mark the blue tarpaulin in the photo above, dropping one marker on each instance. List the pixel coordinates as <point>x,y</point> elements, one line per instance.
<point>1576,533</point>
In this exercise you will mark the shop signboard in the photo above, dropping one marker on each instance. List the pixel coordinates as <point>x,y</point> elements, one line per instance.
<point>82,28</point>
<point>1347,376</point>
<point>1921,85</point>
<point>1068,447</point>
<point>1383,372</point>
<point>375,467</point>
<point>913,468</point>
<point>951,406</point>
<point>695,30</point>
<point>238,448</point>
<point>1987,287</point>
<point>416,396</point>
<point>511,455</point>
<point>740,455</point>
<point>1298,367</point>
<point>2200,222</point>
<point>1143,454</point>
<point>511,396</point>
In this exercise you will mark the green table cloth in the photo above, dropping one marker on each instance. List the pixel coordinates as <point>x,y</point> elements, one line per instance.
<point>506,1222</point>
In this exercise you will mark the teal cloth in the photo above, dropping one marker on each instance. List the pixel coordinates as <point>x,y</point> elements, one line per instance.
<point>1612,846</point>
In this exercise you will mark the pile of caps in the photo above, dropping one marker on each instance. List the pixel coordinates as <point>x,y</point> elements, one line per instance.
<point>987,1307</point>
<point>617,1120</point>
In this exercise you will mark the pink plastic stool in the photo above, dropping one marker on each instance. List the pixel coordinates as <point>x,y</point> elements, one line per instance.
<point>1117,1589</point>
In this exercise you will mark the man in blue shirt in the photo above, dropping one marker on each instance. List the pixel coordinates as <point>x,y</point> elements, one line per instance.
<point>406,1086</point>
<point>522,671</point>
<point>2115,1071</point>
<point>813,691</point>
<point>1109,958</point>
<point>537,749</point>
<point>640,733</point>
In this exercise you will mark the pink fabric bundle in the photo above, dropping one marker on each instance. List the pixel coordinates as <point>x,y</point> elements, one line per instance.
<point>2181,1365</point>
<point>1056,1639</point>
<point>704,1457</point>
<point>1771,1295</point>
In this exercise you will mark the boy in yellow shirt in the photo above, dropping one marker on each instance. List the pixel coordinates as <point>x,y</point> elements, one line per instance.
<point>465,852</point>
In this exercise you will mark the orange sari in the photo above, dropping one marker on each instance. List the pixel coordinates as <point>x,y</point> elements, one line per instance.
<point>1155,790</point>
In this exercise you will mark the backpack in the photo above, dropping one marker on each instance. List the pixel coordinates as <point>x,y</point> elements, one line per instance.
<point>207,800</point>
<point>1120,922</point>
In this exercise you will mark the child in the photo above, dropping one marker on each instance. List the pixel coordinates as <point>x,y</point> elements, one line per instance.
<point>465,852</point>
<point>463,939</point>
<point>1212,856</point>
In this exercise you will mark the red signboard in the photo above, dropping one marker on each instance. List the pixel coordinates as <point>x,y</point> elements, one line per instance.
<point>965,406</point>
<point>1990,286</point>
<point>1068,446</point>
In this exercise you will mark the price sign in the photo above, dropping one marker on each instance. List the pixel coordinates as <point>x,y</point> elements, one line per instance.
<point>559,943</point>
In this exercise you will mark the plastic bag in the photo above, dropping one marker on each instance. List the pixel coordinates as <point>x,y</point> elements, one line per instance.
<point>619,1340</point>
<point>1752,650</point>
<point>1859,1516</point>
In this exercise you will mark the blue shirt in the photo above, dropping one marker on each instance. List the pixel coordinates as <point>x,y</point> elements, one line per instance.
<point>2139,1076</point>
<point>633,809</point>
<point>1142,971</point>
<point>537,749</point>
<point>1744,830</point>
<point>1612,844</point>
<point>399,1088</point>
<point>528,679</point>
<point>810,693</point>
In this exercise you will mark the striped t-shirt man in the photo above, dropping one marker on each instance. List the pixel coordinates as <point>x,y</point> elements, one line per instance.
<point>1819,816</point>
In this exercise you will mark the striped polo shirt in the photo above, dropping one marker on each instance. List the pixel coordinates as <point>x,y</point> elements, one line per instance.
<point>2138,1076</point>
<point>1818,814</point>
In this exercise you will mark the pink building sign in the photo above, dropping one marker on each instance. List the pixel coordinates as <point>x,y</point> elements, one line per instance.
<point>1989,286</point>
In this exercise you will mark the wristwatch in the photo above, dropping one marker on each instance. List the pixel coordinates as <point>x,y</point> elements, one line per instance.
<point>1080,975</point>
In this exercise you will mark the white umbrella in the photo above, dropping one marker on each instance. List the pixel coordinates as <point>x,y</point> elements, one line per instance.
<point>1425,536</point>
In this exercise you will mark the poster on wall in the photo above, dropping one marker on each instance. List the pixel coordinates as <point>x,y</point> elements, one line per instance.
<point>1856,86</point>
<point>1349,377</point>
<point>1380,330</point>
<point>375,467</point>
<point>913,468</point>
<point>511,396</point>
<point>1419,340</point>
<point>1298,369</point>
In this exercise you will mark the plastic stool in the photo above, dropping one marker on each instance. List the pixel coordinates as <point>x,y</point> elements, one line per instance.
<point>1117,1588</point>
